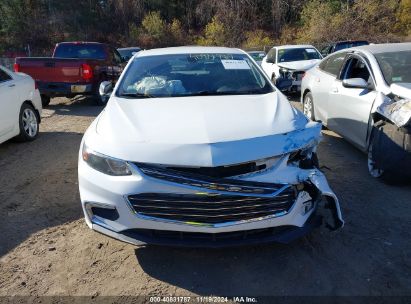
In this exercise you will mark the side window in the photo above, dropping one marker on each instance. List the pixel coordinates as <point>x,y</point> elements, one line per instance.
<point>271,56</point>
<point>356,68</point>
<point>116,56</point>
<point>325,51</point>
<point>4,76</point>
<point>332,64</point>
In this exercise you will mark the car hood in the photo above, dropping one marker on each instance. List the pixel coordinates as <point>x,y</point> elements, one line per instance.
<point>203,131</point>
<point>303,65</point>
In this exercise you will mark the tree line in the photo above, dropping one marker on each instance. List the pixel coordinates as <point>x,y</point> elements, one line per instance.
<point>39,24</point>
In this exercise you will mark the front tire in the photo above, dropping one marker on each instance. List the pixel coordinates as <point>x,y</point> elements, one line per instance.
<point>28,123</point>
<point>308,106</point>
<point>372,164</point>
<point>45,100</point>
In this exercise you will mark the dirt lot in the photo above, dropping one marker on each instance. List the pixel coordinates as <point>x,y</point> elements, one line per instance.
<point>46,248</point>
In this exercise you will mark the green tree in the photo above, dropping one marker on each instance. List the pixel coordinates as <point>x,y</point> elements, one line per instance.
<point>177,34</point>
<point>214,34</point>
<point>404,17</point>
<point>257,39</point>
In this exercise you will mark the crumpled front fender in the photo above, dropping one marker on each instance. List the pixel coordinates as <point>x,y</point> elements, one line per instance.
<point>335,220</point>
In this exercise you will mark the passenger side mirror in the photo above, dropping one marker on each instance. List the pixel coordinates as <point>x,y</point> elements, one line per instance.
<point>356,83</point>
<point>106,87</point>
<point>283,84</point>
<point>269,60</point>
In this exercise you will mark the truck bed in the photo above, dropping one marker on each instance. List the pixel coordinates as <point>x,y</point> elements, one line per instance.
<point>49,69</point>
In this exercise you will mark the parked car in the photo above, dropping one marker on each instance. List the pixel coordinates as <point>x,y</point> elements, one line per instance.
<point>76,68</point>
<point>257,56</point>
<point>128,52</point>
<point>289,62</point>
<point>196,147</point>
<point>340,45</point>
<point>364,94</point>
<point>20,106</point>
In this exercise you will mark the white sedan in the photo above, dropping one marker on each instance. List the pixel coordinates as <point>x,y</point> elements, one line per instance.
<point>364,94</point>
<point>20,106</point>
<point>196,147</point>
<point>288,63</point>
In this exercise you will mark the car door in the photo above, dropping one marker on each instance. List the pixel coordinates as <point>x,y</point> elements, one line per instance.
<point>8,102</point>
<point>350,107</point>
<point>325,74</point>
<point>269,62</point>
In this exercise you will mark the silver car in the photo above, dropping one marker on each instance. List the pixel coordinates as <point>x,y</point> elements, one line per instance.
<point>364,94</point>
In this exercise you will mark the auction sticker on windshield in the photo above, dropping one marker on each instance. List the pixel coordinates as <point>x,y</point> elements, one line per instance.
<point>235,64</point>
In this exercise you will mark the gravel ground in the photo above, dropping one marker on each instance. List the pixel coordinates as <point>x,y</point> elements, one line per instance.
<point>47,249</point>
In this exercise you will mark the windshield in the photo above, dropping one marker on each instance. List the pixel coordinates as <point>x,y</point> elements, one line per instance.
<point>349,44</point>
<point>395,66</point>
<point>85,51</point>
<point>192,75</point>
<point>128,52</point>
<point>288,55</point>
<point>257,56</point>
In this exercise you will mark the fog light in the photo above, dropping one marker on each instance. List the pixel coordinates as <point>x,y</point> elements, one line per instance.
<point>104,211</point>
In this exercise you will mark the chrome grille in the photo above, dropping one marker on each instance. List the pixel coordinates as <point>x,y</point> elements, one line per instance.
<point>214,201</point>
<point>210,208</point>
<point>212,183</point>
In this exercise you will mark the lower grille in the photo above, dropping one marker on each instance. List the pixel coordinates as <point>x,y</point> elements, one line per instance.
<point>280,234</point>
<point>210,208</point>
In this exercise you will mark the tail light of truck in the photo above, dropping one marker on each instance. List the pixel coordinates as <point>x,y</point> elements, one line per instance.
<point>86,71</point>
<point>16,67</point>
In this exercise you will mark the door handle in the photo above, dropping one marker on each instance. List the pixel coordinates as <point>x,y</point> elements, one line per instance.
<point>12,85</point>
<point>334,90</point>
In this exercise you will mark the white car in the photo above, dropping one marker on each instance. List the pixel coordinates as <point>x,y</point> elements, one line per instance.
<point>364,94</point>
<point>289,63</point>
<point>196,147</point>
<point>20,106</point>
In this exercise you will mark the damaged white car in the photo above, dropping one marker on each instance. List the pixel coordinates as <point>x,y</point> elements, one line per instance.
<point>286,65</point>
<point>364,94</point>
<point>196,147</point>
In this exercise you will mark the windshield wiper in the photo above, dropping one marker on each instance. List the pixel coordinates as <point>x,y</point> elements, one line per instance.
<point>214,93</point>
<point>135,95</point>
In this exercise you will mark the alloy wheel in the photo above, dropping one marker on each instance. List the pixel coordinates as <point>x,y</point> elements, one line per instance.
<point>308,107</point>
<point>30,124</point>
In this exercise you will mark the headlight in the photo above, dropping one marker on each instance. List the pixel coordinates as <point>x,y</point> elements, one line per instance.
<point>105,164</point>
<point>284,71</point>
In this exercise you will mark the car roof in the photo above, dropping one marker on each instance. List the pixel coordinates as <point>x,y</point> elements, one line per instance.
<point>80,42</point>
<point>384,48</point>
<point>129,48</point>
<point>294,46</point>
<point>348,41</point>
<point>189,50</point>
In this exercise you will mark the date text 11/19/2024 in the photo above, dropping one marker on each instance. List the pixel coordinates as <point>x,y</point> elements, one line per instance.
<point>202,299</point>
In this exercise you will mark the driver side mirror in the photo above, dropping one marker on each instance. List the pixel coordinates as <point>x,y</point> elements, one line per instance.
<point>106,87</point>
<point>355,83</point>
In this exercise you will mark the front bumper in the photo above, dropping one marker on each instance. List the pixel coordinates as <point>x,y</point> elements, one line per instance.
<point>111,193</point>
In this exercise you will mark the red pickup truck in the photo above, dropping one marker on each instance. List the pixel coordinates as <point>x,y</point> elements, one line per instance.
<point>76,68</point>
